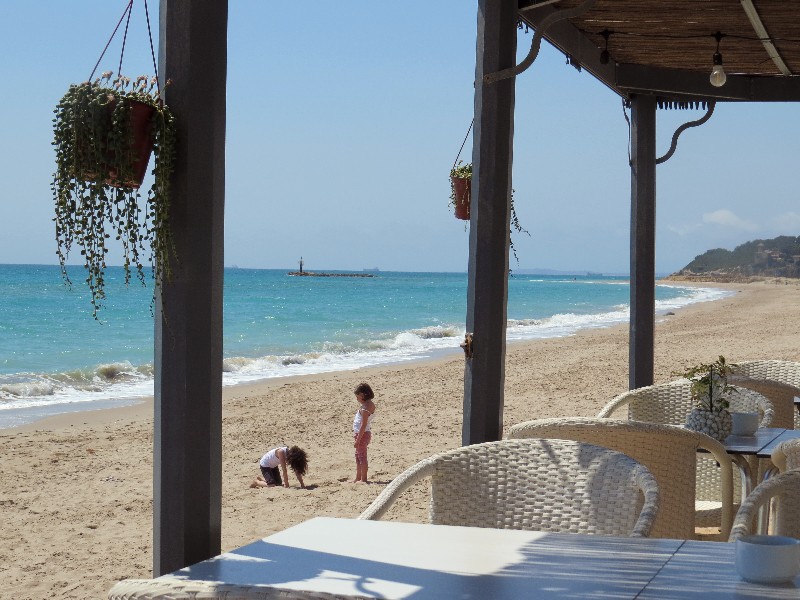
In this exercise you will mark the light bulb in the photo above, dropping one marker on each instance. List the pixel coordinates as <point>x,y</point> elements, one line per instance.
<point>718,76</point>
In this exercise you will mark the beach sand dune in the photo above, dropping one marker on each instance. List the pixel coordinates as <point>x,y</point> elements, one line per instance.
<point>76,491</point>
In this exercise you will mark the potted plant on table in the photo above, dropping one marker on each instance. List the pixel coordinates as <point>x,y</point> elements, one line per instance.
<point>710,390</point>
<point>104,133</point>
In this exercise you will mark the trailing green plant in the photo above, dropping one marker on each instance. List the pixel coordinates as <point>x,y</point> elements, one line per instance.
<point>95,187</point>
<point>464,171</point>
<point>709,384</point>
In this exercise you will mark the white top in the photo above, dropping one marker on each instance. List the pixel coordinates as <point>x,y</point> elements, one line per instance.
<point>270,460</point>
<point>359,418</point>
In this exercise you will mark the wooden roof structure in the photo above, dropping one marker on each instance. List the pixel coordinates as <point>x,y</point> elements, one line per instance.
<point>658,51</point>
<point>667,47</point>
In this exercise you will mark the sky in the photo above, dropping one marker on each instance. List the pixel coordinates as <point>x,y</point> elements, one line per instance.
<point>345,118</point>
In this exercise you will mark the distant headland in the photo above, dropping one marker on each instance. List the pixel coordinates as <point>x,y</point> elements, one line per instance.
<point>751,261</point>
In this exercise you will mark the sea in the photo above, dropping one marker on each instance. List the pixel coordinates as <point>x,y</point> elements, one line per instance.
<point>55,358</point>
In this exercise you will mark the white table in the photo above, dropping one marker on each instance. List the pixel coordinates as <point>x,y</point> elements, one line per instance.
<point>331,558</point>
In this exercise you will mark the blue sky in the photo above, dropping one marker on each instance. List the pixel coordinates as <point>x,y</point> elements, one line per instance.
<point>345,118</point>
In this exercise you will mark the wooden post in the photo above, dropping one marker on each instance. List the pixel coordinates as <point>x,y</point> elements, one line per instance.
<point>643,241</point>
<point>187,469</point>
<point>487,292</point>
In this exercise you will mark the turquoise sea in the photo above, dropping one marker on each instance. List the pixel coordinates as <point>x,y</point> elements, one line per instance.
<point>55,358</point>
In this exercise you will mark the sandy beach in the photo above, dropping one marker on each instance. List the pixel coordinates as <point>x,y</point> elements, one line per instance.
<point>76,491</point>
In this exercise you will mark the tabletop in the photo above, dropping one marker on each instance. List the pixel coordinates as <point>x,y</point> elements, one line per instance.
<point>786,435</point>
<point>765,440</point>
<point>328,557</point>
<point>752,444</point>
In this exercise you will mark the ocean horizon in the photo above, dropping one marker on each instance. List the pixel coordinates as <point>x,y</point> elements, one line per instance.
<point>55,358</point>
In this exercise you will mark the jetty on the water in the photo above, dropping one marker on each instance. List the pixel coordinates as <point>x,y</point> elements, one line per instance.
<point>311,274</point>
<point>302,273</point>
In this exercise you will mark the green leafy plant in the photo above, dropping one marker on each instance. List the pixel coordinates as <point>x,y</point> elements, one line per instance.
<point>96,187</point>
<point>709,383</point>
<point>464,171</point>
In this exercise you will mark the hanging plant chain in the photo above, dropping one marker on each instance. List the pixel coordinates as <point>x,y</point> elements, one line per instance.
<point>127,13</point>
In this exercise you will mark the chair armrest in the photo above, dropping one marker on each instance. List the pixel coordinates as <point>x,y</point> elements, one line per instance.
<point>614,405</point>
<point>717,450</point>
<point>399,484</point>
<point>652,502</point>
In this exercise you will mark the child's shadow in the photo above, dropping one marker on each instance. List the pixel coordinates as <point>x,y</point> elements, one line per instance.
<point>313,486</point>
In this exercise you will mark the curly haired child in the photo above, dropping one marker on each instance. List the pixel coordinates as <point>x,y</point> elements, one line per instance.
<point>275,461</point>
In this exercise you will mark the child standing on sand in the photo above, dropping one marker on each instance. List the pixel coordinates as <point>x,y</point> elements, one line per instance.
<point>362,430</point>
<point>278,457</point>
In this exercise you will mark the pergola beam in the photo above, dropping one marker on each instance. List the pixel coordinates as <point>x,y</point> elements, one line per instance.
<point>570,40</point>
<point>632,79</point>
<point>763,35</point>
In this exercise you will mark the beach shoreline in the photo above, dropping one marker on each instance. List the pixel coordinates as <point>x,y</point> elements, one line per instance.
<point>76,490</point>
<point>71,413</point>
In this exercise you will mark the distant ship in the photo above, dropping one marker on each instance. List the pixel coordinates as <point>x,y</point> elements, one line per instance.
<point>372,270</point>
<point>593,274</point>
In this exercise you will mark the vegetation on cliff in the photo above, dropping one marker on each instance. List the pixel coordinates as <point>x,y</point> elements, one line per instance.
<point>778,257</point>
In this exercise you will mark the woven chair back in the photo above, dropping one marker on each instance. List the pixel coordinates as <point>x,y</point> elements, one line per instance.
<point>778,380</point>
<point>543,485</point>
<point>786,457</point>
<point>670,404</point>
<point>669,452</point>
<point>783,491</point>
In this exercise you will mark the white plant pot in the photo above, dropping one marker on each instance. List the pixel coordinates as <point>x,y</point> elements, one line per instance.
<point>715,423</point>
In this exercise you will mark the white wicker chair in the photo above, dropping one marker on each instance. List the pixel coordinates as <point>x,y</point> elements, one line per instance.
<point>784,489</point>
<point>786,457</point>
<point>778,380</point>
<point>543,485</point>
<point>670,403</point>
<point>669,452</point>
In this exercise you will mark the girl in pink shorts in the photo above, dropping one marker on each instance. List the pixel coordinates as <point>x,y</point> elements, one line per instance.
<point>362,430</point>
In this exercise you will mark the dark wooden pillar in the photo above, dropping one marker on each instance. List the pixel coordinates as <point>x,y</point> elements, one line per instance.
<point>643,240</point>
<point>187,486</point>
<point>487,293</point>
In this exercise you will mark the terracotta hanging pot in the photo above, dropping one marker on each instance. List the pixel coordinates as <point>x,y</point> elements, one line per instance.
<point>463,193</point>
<point>141,123</point>
<point>141,144</point>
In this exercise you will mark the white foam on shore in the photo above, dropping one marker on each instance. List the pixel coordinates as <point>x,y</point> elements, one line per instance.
<point>27,393</point>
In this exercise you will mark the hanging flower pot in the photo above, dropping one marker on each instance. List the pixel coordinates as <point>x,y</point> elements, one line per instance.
<point>104,134</point>
<point>116,148</point>
<point>461,189</point>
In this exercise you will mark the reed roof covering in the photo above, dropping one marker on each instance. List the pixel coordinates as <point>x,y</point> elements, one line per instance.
<point>667,46</point>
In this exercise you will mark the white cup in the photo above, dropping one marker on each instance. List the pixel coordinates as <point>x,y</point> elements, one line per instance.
<point>744,423</point>
<point>767,558</point>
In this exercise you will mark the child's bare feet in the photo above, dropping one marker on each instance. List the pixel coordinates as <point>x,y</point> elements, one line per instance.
<point>254,484</point>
